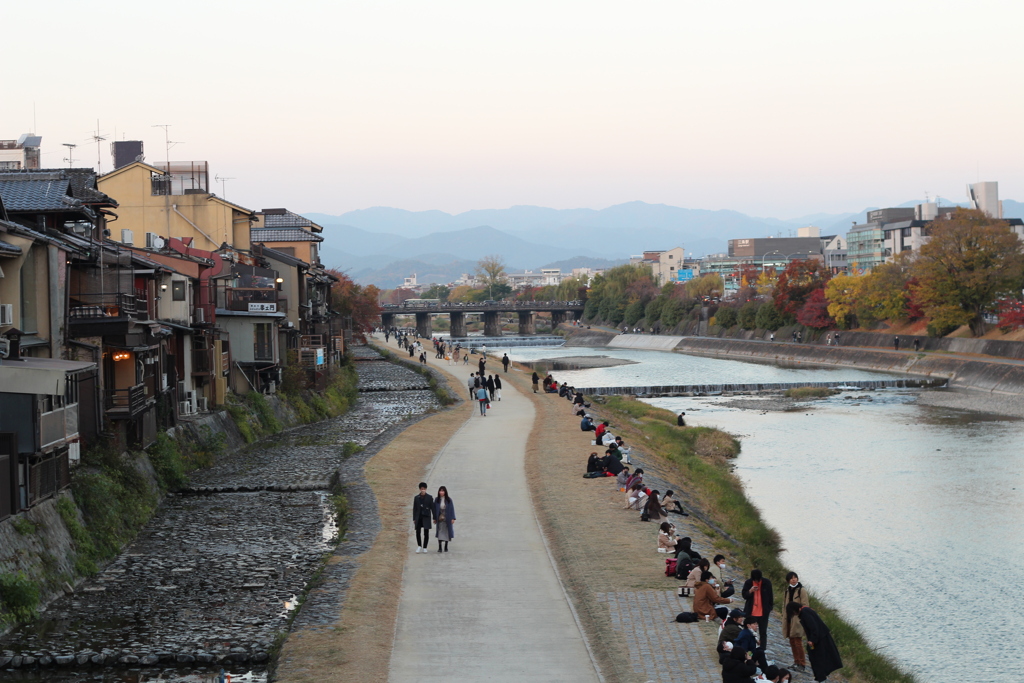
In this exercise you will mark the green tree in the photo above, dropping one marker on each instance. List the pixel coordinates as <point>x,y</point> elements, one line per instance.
<point>768,317</point>
<point>969,261</point>
<point>435,291</point>
<point>747,316</point>
<point>707,285</point>
<point>634,312</point>
<point>726,317</point>
<point>490,270</point>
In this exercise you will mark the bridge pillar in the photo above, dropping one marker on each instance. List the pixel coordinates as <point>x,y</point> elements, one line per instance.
<point>492,324</point>
<point>577,315</point>
<point>527,324</point>
<point>458,327</point>
<point>387,320</point>
<point>557,318</point>
<point>423,326</point>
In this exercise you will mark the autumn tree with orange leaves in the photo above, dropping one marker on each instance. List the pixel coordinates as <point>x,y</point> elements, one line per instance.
<point>358,302</point>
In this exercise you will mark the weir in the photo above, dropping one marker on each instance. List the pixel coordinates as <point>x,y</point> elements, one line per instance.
<point>753,388</point>
<point>496,343</point>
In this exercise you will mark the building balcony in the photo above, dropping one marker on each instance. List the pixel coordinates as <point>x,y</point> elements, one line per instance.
<point>126,403</point>
<point>105,306</point>
<point>58,426</point>
<point>252,300</point>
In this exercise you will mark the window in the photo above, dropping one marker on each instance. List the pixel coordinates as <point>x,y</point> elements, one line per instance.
<point>264,349</point>
<point>905,232</point>
<point>178,290</point>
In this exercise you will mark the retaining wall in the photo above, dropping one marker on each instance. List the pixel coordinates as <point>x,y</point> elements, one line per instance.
<point>982,375</point>
<point>647,342</point>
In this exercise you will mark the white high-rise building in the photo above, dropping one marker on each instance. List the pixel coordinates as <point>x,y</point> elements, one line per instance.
<point>985,197</point>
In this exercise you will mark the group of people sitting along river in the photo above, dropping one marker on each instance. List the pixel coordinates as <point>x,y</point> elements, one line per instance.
<point>742,632</point>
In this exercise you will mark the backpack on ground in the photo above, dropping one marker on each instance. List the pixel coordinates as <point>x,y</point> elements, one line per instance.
<point>670,566</point>
<point>687,618</point>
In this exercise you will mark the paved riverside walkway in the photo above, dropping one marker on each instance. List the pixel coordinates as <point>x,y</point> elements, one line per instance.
<point>492,608</point>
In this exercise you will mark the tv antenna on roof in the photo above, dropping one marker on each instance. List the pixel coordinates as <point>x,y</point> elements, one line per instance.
<point>70,158</point>
<point>168,143</point>
<point>222,180</point>
<point>97,138</point>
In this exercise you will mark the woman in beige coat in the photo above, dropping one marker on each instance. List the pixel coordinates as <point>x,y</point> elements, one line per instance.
<point>791,627</point>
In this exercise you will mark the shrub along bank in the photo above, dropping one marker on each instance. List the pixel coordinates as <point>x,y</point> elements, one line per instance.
<point>702,456</point>
<point>114,494</point>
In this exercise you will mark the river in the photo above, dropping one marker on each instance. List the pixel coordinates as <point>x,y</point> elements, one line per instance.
<point>908,518</point>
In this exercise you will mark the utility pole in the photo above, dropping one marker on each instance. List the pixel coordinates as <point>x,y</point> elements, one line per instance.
<point>70,158</point>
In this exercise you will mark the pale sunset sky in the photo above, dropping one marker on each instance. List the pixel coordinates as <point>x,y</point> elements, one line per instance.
<point>771,108</point>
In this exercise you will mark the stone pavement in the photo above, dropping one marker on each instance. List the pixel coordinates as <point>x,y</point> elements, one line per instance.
<point>493,608</point>
<point>658,647</point>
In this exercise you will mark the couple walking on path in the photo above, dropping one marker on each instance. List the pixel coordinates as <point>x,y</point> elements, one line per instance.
<point>428,511</point>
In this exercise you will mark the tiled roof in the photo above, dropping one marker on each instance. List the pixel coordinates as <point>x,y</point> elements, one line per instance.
<point>83,186</point>
<point>42,192</point>
<point>9,249</point>
<point>283,235</point>
<point>283,218</point>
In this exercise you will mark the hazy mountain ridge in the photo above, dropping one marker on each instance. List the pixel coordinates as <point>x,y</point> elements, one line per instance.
<point>374,244</point>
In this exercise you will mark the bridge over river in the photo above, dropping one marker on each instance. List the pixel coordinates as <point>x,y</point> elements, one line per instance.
<point>491,311</point>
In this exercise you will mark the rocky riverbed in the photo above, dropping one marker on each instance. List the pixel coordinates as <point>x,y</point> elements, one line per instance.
<point>212,581</point>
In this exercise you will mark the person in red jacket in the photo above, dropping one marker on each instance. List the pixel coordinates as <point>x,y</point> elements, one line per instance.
<point>599,432</point>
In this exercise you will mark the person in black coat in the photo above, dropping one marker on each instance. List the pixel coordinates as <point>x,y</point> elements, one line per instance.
<point>422,517</point>
<point>490,386</point>
<point>757,591</point>
<point>821,648</point>
<point>680,421</point>
<point>739,667</point>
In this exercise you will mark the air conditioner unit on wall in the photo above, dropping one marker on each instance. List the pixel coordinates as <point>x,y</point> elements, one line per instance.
<point>154,241</point>
<point>127,237</point>
<point>185,407</point>
<point>6,314</point>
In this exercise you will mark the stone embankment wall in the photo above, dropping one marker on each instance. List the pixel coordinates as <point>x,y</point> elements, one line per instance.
<point>982,375</point>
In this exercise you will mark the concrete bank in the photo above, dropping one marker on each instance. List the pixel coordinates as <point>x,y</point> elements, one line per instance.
<point>993,375</point>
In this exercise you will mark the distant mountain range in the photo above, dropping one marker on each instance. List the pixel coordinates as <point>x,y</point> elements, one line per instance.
<point>383,245</point>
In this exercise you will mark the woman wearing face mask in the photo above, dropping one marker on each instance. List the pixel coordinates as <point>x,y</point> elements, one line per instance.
<point>739,668</point>
<point>444,516</point>
<point>791,627</point>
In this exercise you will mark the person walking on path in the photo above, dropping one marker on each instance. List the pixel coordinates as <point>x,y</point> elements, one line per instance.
<point>896,343</point>
<point>471,384</point>
<point>465,358</point>
<point>791,627</point>
<point>490,386</point>
<point>481,398</point>
<point>536,381</point>
<point>444,515</point>
<point>482,363</point>
<point>422,517</point>
<point>757,591</point>
<point>497,387</point>
<point>821,648</point>
<point>505,361</point>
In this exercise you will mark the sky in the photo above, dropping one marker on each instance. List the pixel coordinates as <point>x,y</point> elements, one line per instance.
<point>774,109</point>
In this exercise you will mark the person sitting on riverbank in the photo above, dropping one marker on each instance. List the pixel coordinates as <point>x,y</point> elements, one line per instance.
<point>748,639</point>
<point>670,504</point>
<point>693,576</point>
<point>725,586</point>
<point>600,430</point>
<point>667,538</point>
<point>594,463</point>
<point>731,627</point>
<point>706,600</point>
<point>587,424</point>
<point>739,667</point>
<point>637,478</point>
<point>686,551</point>
<point>620,445</point>
<point>622,477</point>
<point>655,513</point>
<point>680,422</point>
<point>612,465</point>
<point>635,497</point>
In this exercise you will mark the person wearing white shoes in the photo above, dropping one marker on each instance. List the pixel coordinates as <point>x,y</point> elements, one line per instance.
<point>422,517</point>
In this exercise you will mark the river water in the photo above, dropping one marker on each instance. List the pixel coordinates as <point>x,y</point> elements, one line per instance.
<point>907,517</point>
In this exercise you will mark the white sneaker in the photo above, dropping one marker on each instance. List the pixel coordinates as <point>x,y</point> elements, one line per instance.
<point>419,549</point>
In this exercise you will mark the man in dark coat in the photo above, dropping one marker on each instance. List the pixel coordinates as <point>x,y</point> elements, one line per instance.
<point>757,591</point>
<point>422,517</point>
<point>821,648</point>
<point>505,361</point>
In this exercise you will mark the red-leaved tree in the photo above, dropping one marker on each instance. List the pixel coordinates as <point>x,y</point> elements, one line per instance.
<point>814,312</point>
<point>357,302</point>
<point>1011,314</point>
<point>796,283</point>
